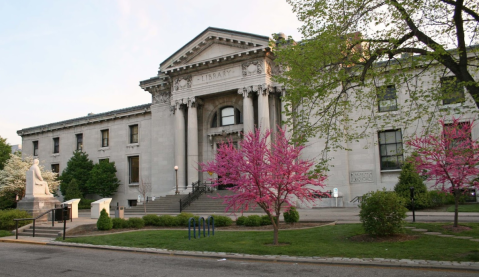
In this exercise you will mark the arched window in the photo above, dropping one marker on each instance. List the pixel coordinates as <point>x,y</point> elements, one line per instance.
<point>228,116</point>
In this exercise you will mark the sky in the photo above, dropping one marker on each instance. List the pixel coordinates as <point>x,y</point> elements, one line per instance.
<point>62,59</point>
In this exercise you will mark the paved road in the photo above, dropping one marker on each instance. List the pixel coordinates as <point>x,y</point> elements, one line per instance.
<point>39,260</point>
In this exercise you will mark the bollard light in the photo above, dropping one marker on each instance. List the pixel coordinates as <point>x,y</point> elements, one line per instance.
<point>176,171</point>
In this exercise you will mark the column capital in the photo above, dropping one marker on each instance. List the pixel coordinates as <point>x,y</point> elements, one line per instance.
<point>192,102</point>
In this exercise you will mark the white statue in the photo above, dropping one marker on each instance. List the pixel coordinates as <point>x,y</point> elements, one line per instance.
<point>35,181</point>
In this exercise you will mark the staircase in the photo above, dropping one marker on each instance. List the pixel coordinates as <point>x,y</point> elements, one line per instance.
<point>44,231</point>
<point>164,204</point>
<point>205,204</point>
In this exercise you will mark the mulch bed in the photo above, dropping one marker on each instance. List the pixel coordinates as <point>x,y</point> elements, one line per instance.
<point>394,238</point>
<point>456,229</point>
<point>91,230</point>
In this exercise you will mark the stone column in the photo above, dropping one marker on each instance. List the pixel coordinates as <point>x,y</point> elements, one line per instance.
<point>263,108</point>
<point>284,117</point>
<point>248,110</point>
<point>192,159</point>
<point>180,150</point>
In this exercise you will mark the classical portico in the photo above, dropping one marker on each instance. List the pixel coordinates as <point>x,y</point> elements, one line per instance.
<point>218,86</point>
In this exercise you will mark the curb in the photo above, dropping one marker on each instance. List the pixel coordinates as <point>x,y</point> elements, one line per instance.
<point>24,241</point>
<point>379,262</point>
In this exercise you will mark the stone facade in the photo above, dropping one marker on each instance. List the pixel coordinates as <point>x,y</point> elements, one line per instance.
<point>214,88</point>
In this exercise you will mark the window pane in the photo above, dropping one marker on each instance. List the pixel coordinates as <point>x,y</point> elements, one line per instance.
<point>214,123</point>
<point>390,137</point>
<point>134,169</point>
<point>227,111</point>
<point>452,91</point>
<point>228,120</point>
<point>398,136</point>
<point>391,149</point>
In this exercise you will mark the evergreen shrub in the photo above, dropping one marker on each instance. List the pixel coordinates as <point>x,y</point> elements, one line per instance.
<point>265,220</point>
<point>136,222</point>
<point>104,221</point>
<point>73,191</point>
<point>167,220</point>
<point>253,220</point>
<point>120,223</point>
<point>222,221</point>
<point>151,220</point>
<point>291,216</point>
<point>182,219</point>
<point>410,178</point>
<point>240,220</point>
<point>7,216</point>
<point>85,204</point>
<point>382,213</point>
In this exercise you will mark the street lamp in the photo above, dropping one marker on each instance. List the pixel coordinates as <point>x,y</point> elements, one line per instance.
<point>176,170</point>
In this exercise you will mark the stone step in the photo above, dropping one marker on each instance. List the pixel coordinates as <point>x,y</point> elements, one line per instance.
<point>38,234</point>
<point>30,231</point>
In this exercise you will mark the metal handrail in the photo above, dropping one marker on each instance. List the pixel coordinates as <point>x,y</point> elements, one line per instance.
<point>34,220</point>
<point>198,189</point>
<point>357,199</point>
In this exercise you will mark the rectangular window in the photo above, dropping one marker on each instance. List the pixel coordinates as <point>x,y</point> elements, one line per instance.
<point>134,133</point>
<point>79,142</point>
<point>104,138</point>
<point>56,145</point>
<point>390,148</point>
<point>457,138</point>
<point>387,98</point>
<point>134,169</point>
<point>107,160</point>
<point>452,91</point>
<point>35,148</point>
<point>56,168</point>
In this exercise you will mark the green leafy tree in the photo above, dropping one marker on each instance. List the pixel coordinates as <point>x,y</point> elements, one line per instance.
<point>103,179</point>
<point>5,151</point>
<point>410,178</point>
<point>78,168</point>
<point>73,191</point>
<point>353,50</point>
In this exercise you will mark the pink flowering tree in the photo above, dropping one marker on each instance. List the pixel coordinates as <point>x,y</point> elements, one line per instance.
<point>451,158</point>
<point>272,177</point>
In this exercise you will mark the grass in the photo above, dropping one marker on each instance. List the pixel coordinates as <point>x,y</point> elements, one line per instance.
<point>328,241</point>
<point>4,233</point>
<point>437,227</point>
<point>468,208</point>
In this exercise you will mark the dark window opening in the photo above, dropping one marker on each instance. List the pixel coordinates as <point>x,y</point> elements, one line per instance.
<point>35,148</point>
<point>391,150</point>
<point>104,138</point>
<point>56,145</point>
<point>79,142</point>
<point>134,134</point>
<point>387,98</point>
<point>452,91</point>
<point>134,169</point>
<point>56,168</point>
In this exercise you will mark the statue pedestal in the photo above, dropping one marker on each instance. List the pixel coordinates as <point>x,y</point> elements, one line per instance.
<point>37,205</point>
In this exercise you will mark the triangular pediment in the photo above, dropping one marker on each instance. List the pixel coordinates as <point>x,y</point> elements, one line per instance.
<point>211,43</point>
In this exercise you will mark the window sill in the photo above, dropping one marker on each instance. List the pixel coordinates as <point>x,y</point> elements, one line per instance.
<point>391,170</point>
<point>55,154</point>
<point>104,148</point>
<point>132,145</point>
<point>134,184</point>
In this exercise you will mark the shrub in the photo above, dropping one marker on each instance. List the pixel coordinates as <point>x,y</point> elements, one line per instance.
<point>240,220</point>
<point>410,178</point>
<point>151,220</point>
<point>382,213</point>
<point>85,204</point>
<point>73,191</point>
<point>167,220</point>
<point>253,220</point>
<point>182,219</point>
<point>265,220</point>
<point>104,221</point>
<point>7,216</point>
<point>120,223</point>
<point>222,221</point>
<point>136,222</point>
<point>291,216</point>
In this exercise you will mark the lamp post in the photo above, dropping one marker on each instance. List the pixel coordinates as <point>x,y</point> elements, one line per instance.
<point>412,202</point>
<point>176,171</point>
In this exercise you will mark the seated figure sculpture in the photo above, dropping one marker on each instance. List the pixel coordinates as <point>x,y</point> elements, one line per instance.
<point>37,178</point>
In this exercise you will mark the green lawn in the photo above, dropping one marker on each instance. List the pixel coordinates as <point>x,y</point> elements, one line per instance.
<point>328,241</point>
<point>471,208</point>
<point>4,233</point>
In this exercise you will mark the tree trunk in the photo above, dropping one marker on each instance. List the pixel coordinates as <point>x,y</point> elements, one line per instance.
<point>275,239</point>
<point>456,207</point>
